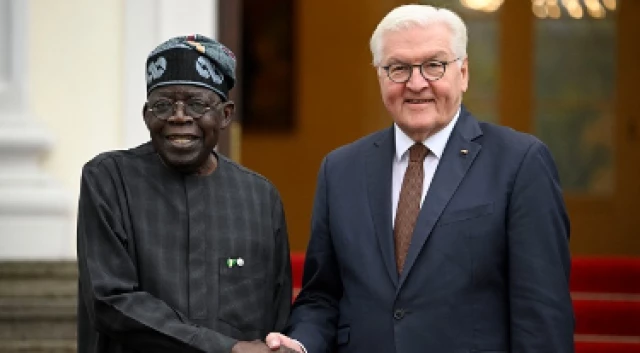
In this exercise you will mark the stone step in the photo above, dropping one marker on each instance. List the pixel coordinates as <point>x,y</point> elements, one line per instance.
<point>37,318</point>
<point>38,279</point>
<point>34,308</point>
<point>38,346</point>
<point>38,306</point>
<point>38,269</point>
<point>19,288</point>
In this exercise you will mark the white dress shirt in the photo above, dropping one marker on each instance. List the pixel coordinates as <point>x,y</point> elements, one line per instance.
<point>435,143</point>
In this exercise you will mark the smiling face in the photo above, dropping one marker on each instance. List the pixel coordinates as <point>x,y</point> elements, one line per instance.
<point>183,142</point>
<point>420,107</point>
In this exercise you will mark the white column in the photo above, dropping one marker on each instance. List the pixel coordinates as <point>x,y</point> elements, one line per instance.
<point>148,23</point>
<point>34,214</point>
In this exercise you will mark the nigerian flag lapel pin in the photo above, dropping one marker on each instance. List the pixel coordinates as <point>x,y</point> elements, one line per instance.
<point>235,262</point>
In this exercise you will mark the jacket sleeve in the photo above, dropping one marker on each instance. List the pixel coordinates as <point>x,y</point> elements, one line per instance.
<point>116,305</point>
<point>314,318</point>
<point>541,313</point>
<point>281,303</point>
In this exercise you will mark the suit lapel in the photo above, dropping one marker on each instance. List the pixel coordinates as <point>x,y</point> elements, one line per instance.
<point>451,169</point>
<point>379,161</point>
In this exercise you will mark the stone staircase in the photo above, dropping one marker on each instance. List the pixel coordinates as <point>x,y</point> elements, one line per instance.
<point>38,307</point>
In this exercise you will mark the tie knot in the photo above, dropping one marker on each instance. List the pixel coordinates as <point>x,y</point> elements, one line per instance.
<point>418,152</point>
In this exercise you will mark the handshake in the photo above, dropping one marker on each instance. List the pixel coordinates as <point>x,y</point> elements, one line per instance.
<point>275,343</point>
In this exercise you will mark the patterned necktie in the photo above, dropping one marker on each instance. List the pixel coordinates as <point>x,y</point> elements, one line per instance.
<point>409,202</point>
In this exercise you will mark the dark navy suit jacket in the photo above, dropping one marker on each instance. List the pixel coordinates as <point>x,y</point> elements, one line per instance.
<point>487,269</point>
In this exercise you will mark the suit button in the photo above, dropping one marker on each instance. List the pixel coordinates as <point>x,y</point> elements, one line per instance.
<point>398,314</point>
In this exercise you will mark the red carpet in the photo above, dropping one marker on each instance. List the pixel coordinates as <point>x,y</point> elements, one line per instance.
<point>607,347</point>
<point>601,317</point>
<point>606,300</point>
<point>605,275</point>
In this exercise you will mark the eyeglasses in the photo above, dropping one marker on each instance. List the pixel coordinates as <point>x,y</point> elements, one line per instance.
<point>164,108</point>
<point>431,70</point>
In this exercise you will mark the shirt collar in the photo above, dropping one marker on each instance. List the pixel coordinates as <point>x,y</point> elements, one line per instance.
<point>435,143</point>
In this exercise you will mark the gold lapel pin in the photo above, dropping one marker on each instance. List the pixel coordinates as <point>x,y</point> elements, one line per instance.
<point>464,152</point>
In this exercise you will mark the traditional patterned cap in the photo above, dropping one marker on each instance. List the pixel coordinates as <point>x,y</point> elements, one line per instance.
<point>192,60</point>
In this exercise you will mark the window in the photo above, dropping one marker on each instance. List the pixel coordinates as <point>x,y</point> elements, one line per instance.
<point>574,98</point>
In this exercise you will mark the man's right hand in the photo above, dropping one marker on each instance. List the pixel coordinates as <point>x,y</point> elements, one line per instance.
<point>251,347</point>
<point>281,343</point>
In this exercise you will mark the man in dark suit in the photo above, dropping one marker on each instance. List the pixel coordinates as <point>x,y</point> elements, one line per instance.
<point>179,248</point>
<point>441,233</point>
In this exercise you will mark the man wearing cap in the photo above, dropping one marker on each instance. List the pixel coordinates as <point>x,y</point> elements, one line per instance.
<point>179,248</point>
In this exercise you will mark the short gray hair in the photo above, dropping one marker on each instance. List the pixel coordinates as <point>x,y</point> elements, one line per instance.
<point>407,16</point>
